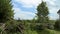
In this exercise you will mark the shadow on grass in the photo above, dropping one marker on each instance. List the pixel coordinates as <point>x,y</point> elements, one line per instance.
<point>43,32</point>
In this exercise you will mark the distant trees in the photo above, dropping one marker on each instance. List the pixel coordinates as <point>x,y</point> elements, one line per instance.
<point>6,12</point>
<point>57,25</point>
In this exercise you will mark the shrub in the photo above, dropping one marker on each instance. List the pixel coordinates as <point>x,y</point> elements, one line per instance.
<point>50,26</point>
<point>57,25</point>
<point>12,27</point>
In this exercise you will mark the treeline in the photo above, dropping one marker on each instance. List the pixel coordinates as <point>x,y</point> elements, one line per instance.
<point>8,25</point>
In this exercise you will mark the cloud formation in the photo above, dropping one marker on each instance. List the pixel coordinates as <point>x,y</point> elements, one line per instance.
<point>52,5</point>
<point>29,3</point>
<point>23,14</point>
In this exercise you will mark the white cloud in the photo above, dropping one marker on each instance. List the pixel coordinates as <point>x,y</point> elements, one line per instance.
<point>23,14</point>
<point>53,13</point>
<point>54,17</point>
<point>51,2</point>
<point>29,3</point>
<point>34,3</point>
<point>53,10</point>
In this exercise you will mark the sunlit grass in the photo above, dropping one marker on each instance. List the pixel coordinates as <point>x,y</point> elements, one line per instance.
<point>47,31</point>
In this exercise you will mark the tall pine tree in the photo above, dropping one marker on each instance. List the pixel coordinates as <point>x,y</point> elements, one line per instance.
<point>6,12</point>
<point>42,13</point>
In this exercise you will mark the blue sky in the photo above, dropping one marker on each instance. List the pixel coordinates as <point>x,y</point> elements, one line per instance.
<point>26,9</point>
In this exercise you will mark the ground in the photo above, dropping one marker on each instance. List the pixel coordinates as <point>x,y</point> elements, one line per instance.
<point>43,32</point>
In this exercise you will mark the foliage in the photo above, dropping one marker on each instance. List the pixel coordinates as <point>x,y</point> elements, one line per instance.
<point>57,25</point>
<point>34,26</point>
<point>50,26</point>
<point>30,32</point>
<point>13,27</point>
<point>6,12</point>
<point>42,13</point>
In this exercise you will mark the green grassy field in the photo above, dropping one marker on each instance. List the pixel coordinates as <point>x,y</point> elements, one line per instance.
<point>42,32</point>
<point>55,32</point>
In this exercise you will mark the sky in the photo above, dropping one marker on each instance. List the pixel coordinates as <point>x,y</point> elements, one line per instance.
<point>26,9</point>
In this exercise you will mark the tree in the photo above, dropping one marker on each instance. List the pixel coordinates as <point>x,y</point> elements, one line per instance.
<point>6,12</point>
<point>42,13</point>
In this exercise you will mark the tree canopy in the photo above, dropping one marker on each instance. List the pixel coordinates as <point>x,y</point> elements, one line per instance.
<point>42,12</point>
<point>6,12</point>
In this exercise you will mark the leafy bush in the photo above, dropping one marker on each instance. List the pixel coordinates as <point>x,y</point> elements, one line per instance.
<point>39,27</point>
<point>50,26</point>
<point>0,29</point>
<point>57,25</point>
<point>36,27</point>
<point>12,27</point>
<point>30,32</point>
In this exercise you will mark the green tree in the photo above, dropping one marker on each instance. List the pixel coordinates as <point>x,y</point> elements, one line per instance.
<point>42,13</point>
<point>6,12</point>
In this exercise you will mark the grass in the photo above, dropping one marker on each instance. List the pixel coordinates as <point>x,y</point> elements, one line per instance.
<point>30,32</point>
<point>54,32</point>
<point>47,31</point>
